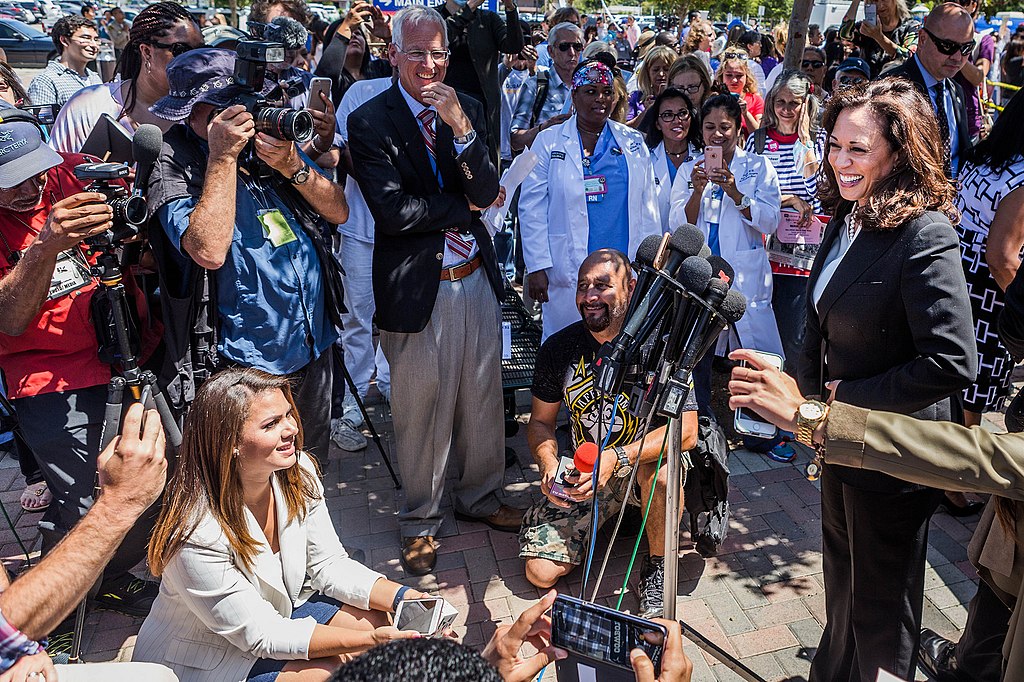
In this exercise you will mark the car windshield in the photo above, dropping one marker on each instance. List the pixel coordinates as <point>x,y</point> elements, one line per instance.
<point>24,29</point>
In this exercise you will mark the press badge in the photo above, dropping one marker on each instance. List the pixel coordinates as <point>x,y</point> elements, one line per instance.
<point>70,274</point>
<point>276,227</point>
<point>595,187</point>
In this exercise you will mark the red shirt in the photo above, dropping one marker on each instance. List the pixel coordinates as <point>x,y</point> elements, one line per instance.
<point>755,105</point>
<point>57,352</point>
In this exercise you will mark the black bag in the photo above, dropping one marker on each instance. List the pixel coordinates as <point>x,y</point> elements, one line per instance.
<point>706,492</point>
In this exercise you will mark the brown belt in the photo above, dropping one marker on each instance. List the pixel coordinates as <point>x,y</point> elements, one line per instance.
<point>461,271</point>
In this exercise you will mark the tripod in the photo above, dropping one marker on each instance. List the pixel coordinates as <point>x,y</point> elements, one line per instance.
<point>140,383</point>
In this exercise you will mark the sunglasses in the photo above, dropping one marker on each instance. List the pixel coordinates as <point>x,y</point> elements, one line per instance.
<point>565,47</point>
<point>851,80</point>
<point>734,55</point>
<point>950,47</point>
<point>812,64</point>
<point>176,49</point>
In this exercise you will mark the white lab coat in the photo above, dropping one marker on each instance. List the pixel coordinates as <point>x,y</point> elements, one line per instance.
<point>553,212</point>
<point>742,240</point>
<point>659,157</point>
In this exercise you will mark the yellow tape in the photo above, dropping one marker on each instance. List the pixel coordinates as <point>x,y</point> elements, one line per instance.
<point>1003,85</point>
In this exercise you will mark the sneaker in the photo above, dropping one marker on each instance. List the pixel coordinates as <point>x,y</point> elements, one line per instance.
<point>60,642</point>
<point>129,595</point>
<point>350,411</point>
<point>346,437</point>
<point>652,587</point>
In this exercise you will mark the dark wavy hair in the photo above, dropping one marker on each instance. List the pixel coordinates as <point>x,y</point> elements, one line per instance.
<point>727,103</point>
<point>649,124</point>
<point>1005,143</point>
<point>917,182</point>
<point>296,9</point>
<point>14,83</point>
<point>151,24</point>
<point>66,27</point>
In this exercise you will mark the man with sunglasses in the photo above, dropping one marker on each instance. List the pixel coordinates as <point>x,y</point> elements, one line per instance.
<point>550,87</point>
<point>77,43</point>
<point>945,41</point>
<point>813,64</point>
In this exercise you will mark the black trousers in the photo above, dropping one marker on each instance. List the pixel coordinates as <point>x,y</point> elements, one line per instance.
<point>979,653</point>
<point>874,548</point>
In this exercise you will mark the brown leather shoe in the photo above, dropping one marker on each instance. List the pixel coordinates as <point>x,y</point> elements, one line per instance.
<point>419,555</point>
<point>506,519</point>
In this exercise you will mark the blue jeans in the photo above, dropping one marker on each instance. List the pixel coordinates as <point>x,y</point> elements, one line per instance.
<point>322,609</point>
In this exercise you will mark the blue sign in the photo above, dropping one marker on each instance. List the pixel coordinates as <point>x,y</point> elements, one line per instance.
<point>395,5</point>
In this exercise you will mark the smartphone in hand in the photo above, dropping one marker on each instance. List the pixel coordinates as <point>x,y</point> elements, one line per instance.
<point>712,158</point>
<point>748,422</point>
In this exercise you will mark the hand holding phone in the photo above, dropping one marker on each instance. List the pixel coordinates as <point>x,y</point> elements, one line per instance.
<point>712,158</point>
<point>871,13</point>
<point>748,422</point>
<point>429,616</point>
<point>316,87</point>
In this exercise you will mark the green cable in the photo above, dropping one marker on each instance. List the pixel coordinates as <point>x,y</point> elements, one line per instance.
<point>643,526</point>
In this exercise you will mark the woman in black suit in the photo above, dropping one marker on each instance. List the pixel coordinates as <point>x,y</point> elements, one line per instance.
<point>889,328</point>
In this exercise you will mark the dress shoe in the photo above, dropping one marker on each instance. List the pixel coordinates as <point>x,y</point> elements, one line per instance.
<point>505,519</point>
<point>937,656</point>
<point>419,554</point>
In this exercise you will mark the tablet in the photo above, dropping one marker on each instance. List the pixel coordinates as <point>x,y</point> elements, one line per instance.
<point>109,141</point>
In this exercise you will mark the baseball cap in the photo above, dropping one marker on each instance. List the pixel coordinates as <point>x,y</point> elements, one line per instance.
<point>855,64</point>
<point>23,154</point>
<point>202,75</point>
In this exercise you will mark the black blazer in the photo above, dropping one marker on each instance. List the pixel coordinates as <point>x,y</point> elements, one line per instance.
<point>410,210</point>
<point>910,70</point>
<point>895,324</point>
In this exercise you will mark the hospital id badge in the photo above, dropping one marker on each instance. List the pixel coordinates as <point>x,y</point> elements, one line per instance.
<point>276,227</point>
<point>69,274</point>
<point>595,187</point>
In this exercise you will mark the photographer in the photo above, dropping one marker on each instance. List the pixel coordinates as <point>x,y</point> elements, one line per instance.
<point>256,230</point>
<point>132,472</point>
<point>48,343</point>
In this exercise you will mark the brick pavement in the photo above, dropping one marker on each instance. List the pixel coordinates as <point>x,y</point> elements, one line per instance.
<point>761,598</point>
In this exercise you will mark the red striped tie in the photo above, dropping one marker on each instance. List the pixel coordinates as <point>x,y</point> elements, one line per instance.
<point>453,240</point>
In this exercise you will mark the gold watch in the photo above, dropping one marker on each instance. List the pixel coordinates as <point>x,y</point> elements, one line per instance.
<point>809,415</point>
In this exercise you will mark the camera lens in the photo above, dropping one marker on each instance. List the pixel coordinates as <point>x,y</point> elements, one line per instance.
<point>285,124</point>
<point>131,209</point>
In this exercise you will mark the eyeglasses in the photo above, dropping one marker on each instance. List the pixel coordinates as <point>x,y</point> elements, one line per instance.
<point>669,116</point>
<point>689,89</point>
<point>176,49</point>
<point>734,55</point>
<point>812,64</point>
<point>565,47</point>
<point>851,80</point>
<point>438,56</point>
<point>950,47</point>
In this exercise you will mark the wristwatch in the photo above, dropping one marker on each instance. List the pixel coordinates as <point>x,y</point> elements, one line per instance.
<point>465,139</point>
<point>622,468</point>
<point>301,175</point>
<point>743,203</point>
<point>809,415</point>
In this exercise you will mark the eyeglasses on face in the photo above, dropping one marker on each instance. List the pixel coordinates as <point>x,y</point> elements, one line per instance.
<point>689,89</point>
<point>812,64</point>
<point>175,48</point>
<point>950,47</point>
<point>565,47</point>
<point>669,116</point>
<point>438,56</point>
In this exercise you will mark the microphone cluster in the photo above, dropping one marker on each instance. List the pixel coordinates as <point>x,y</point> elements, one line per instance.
<point>681,303</point>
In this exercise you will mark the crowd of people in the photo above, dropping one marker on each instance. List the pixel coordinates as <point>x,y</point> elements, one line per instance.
<point>868,203</point>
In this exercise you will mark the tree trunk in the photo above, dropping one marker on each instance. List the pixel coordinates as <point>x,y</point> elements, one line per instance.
<point>797,39</point>
<point>233,4</point>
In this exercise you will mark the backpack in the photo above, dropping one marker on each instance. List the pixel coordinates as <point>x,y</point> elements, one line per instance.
<point>706,491</point>
<point>760,138</point>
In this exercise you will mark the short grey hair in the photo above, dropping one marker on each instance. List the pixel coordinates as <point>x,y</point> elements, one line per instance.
<point>414,16</point>
<point>564,26</point>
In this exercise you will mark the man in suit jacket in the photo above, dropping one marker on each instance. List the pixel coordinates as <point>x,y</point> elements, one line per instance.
<point>420,157</point>
<point>477,37</point>
<point>943,46</point>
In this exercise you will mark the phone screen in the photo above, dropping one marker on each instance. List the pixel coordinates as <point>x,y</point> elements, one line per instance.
<point>418,615</point>
<point>749,415</point>
<point>44,112</point>
<point>604,634</point>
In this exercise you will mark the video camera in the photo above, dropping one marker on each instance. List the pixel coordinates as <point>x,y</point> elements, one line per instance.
<point>129,209</point>
<point>251,59</point>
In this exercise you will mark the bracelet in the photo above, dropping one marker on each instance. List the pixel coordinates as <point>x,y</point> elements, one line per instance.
<point>399,596</point>
<point>317,149</point>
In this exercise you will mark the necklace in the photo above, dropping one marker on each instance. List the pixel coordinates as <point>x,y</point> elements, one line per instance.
<point>853,227</point>
<point>583,130</point>
<point>675,155</point>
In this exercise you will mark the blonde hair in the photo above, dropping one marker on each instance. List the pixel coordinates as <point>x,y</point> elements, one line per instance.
<point>662,54</point>
<point>749,83</point>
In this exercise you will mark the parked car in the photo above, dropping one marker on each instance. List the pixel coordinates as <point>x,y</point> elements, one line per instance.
<point>20,13</point>
<point>25,45</point>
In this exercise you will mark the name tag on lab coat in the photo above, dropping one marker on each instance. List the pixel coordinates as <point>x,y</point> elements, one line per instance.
<point>595,187</point>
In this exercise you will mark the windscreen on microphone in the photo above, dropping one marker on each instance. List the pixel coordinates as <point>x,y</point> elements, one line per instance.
<point>286,31</point>
<point>648,250</point>
<point>705,251</point>
<point>687,240</point>
<point>146,144</point>
<point>694,274</point>
<point>716,290</point>
<point>585,457</point>
<point>733,307</point>
<point>721,269</point>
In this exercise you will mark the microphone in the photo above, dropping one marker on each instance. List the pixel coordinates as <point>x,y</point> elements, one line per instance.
<point>146,145</point>
<point>586,455</point>
<point>644,264</point>
<point>583,462</point>
<point>695,275</point>
<point>722,270</point>
<point>286,31</point>
<point>732,309</point>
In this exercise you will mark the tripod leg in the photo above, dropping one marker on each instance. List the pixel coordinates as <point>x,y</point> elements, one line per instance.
<point>339,358</point>
<point>112,414</point>
<point>166,415</point>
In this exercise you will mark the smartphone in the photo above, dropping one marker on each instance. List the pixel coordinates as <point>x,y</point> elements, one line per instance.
<point>430,616</point>
<point>559,487</point>
<point>747,421</point>
<point>46,113</point>
<point>712,158</point>
<point>871,13</point>
<point>599,640</point>
<point>317,86</point>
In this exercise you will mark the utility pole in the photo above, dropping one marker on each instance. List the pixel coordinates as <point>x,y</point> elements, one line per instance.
<point>797,34</point>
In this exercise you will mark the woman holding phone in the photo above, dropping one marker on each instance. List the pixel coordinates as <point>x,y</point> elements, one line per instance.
<point>256,585</point>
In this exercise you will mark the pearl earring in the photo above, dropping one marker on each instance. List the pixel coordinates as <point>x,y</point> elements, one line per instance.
<point>149,66</point>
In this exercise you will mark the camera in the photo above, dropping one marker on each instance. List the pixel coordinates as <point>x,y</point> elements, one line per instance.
<point>251,59</point>
<point>129,210</point>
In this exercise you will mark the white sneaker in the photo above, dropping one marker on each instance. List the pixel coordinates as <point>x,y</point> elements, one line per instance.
<point>346,436</point>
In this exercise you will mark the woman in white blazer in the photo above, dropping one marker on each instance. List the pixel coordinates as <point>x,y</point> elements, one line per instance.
<point>255,583</point>
<point>734,207</point>
<point>672,128</point>
<point>592,188</point>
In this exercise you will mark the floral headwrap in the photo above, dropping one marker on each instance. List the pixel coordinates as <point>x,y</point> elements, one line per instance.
<point>592,73</point>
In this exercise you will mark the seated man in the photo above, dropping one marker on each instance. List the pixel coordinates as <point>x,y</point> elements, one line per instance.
<point>132,472</point>
<point>554,534</point>
<point>255,232</point>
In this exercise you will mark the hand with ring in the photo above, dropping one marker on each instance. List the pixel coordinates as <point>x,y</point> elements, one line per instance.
<point>35,668</point>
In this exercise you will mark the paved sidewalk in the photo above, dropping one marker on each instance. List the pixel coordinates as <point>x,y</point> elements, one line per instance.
<point>761,599</point>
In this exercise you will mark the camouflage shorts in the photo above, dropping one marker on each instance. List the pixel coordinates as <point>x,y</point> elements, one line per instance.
<point>559,534</point>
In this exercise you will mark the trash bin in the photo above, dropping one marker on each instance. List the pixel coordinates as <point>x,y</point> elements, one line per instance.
<point>106,62</point>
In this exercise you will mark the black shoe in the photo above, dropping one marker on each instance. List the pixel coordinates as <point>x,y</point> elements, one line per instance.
<point>652,587</point>
<point>937,657</point>
<point>129,595</point>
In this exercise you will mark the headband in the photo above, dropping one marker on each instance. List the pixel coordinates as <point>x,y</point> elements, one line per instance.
<point>594,73</point>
